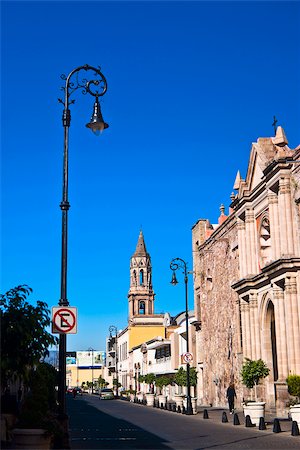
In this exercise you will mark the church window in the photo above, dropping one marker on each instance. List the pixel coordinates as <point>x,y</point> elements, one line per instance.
<point>134,278</point>
<point>142,308</point>
<point>141,277</point>
<point>265,242</point>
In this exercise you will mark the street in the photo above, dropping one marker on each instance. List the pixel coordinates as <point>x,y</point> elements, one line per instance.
<point>117,424</point>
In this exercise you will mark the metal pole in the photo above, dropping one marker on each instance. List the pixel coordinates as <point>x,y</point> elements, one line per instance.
<point>117,375</point>
<point>175,264</point>
<point>92,371</point>
<point>189,409</point>
<point>70,88</point>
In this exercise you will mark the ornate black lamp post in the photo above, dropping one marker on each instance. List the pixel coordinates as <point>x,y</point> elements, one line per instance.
<point>178,263</point>
<point>114,329</point>
<point>74,82</point>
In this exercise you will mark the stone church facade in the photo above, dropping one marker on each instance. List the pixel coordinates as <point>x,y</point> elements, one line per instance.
<point>247,278</point>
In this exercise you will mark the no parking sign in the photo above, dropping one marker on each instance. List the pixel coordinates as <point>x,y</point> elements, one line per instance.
<point>64,320</point>
<point>187,358</point>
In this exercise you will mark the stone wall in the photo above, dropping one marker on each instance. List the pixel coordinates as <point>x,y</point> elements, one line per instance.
<point>216,268</point>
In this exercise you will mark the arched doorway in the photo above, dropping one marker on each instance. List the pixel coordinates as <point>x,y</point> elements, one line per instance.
<point>270,350</point>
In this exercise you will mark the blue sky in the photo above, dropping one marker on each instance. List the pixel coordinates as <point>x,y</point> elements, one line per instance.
<point>190,86</point>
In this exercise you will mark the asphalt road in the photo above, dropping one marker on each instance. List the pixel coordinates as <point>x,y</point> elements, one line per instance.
<point>117,424</point>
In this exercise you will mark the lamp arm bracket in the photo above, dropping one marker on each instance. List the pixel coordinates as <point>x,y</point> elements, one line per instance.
<point>83,84</point>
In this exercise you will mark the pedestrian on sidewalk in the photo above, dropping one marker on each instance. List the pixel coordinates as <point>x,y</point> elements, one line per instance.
<point>74,392</point>
<point>230,394</point>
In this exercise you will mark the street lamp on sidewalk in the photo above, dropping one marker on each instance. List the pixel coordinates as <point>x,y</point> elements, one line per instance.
<point>95,86</point>
<point>90,349</point>
<point>178,263</point>
<point>114,329</point>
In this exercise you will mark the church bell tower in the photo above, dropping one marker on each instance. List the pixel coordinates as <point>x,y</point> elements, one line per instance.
<point>141,295</point>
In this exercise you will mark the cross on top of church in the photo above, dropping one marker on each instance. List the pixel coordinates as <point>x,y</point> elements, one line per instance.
<point>274,124</point>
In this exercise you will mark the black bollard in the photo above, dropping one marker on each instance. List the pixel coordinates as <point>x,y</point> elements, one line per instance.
<point>170,407</point>
<point>248,422</point>
<point>295,428</point>
<point>276,426</point>
<point>178,409</point>
<point>262,425</point>
<point>166,406</point>
<point>236,420</point>
<point>183,409</point>
<point>174,408</point>
<point>161,406</point>
<point>205,414</point>
<point>224,417</point>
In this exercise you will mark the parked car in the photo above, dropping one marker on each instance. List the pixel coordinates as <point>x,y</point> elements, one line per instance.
<point>106,394</point>
<point>70,390</point>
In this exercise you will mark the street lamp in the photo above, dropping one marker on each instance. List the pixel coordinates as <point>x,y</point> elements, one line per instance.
<point>74,82</point>
<point>114,329</point>
<point>178,263</point>
<point>90,349</point>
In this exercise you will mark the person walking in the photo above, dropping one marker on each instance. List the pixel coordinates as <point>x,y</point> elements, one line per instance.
<point>230,394</point>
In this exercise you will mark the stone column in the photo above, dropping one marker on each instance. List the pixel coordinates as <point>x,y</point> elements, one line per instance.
<point>242,247</point>
<point>291,286</point>
<point>239,325</point>
<point>255,335</point>
<point>289,216</point>
<point>286,217</point>
<point>274,225</point>
<point>280,333</point>
<point>251,242</point>
<point>288,306</point>
<point>244,329</point>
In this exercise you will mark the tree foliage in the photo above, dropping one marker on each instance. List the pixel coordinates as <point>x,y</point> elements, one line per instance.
<point>101,382</point>
<point>181,377</point>
<point>24,338</point>
<point>149,378</point>
<point>162,381</point>
<point>253,371</point>
<point>293,382</point>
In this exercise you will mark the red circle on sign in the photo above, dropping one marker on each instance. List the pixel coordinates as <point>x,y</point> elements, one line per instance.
<point>71,326</point>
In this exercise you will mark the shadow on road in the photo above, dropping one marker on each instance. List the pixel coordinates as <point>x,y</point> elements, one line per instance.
<point>92,429</point>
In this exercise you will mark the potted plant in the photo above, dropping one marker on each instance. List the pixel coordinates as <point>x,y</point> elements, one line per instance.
<point>252,372</point>
<point>160,382</point>
<point>181,380</point>
<point>132,394</point>
<point>293,382</point>
<point>140,394</point>
<point>149,380</point>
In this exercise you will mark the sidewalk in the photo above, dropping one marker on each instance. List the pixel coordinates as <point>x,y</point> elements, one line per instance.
<point>215,415</point>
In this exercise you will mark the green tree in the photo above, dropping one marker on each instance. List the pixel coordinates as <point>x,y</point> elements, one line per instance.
<point>253,371</point>
<point>115,383</point>
<point>180,377</point>
<point>293,382</point>
<point>24,338</point>
<point>162,381</point>
<point>102,383</point>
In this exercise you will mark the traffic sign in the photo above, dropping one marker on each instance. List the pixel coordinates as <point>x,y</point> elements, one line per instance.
<point>64,320</point>
<point>187,358</point>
